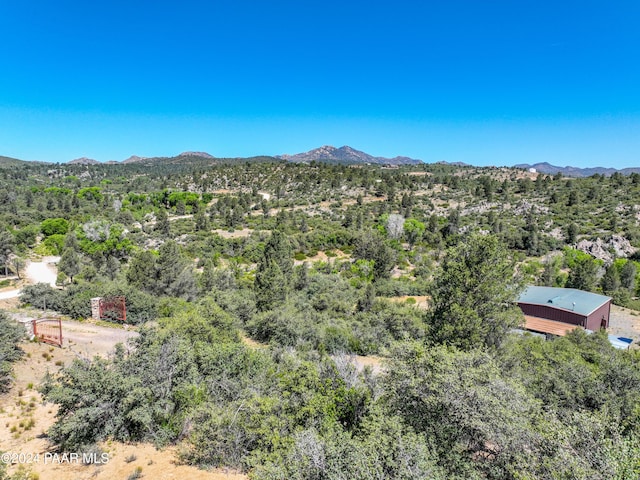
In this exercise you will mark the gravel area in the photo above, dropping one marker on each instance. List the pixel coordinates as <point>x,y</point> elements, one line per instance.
<point>625,323</point>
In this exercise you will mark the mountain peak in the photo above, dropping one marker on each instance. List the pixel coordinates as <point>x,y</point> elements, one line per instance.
<point>344,154</point>
<point>84,161</point>
<point>197,154</point>
<point>134,159</point>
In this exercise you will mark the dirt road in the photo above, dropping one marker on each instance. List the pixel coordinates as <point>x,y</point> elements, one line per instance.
<point>87,340</point>
<point>44,271</point>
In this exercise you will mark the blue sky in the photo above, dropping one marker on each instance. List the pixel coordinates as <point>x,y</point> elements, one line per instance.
<point>488,83</point>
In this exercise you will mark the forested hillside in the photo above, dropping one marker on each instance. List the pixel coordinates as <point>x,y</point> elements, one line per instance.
<point>254,282</point>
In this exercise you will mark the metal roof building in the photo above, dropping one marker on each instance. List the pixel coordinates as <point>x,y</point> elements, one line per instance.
<point>567,307</point>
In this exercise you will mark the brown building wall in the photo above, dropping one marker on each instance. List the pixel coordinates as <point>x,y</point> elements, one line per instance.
<point>551,313</point>
<point>594,321</point>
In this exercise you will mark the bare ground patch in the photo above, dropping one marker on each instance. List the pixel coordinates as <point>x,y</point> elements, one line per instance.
<point>625,323</point>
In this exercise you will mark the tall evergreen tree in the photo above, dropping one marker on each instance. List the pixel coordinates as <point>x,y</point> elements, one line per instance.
<point>270,285</point>
<point>162,222</point>
<point>610,280</point>
<point>583,275</point>
<point>275,272</point>
<point>69,263</point>
<point>142,270</point>
<point>278,250</point>
<point>7,245</point>
<point>628,275</point>
<point>474,294</point>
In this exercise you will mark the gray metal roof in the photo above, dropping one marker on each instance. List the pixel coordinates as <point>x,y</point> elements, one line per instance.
<point>571,299</point>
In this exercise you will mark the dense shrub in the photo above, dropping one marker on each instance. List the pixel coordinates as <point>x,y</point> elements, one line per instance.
<point>11,334</point>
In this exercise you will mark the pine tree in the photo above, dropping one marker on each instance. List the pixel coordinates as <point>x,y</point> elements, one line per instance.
<point>366,301</point>
<point>202,222</point>
<point>610,280</point>
<point>278,250</point>
<point>69,263</point>
<point>270,285</point>
<point>628,275</point>
<point>474,294</point>
<point>275,272</point>
<point>583,274</point>
<point>7,245</point>
<point>162,222</point>
<point>142,271</point>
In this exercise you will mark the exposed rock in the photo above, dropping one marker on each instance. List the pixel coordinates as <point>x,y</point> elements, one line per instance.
<point>152,243</point>
<point>525,207</point>
<point>615,247</point>
<point>480,208</point>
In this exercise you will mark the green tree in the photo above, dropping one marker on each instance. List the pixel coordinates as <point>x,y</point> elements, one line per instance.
<point>54,226</point>
<point>550,272</point>
<point>275,272</point>
<point>628,275</point>
<point>11,333</point>
<point>71,241</point>
<point>142,271</point>
<point>270,285</point>
<point>413,230</point>
<point>572,233</point>
<point>610,281</point>
<point>583,273</point>
<point>202,222</point>
<point>18,264</point>
<point>474,294</point>
<point>368,298</point>
<point>7,245</point>
<point>531,238</point>
<point>162,222</point>
<point>174,273</point>
<point>301,277</point>
<point>69,263</point>
<point>278,250</point>
<point>371,246</point>
<point>463,404</point>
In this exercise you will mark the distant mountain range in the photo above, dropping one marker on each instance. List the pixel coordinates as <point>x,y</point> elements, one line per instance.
<point>568,171</point>
<point>328,154</point>
<point>346,154</point>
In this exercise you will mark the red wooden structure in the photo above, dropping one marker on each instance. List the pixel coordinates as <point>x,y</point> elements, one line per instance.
<point>113,308</point>
<point>48,330</point>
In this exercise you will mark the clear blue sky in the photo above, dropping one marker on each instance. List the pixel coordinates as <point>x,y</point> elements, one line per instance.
<point>484,82</point>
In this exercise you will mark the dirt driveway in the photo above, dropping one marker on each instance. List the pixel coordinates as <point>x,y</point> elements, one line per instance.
<point>87,340</point>
<point>625,323</point>
<point>25,417</point>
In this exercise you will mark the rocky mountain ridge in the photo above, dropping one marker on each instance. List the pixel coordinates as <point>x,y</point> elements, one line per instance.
<point>568,171</point>
<point>84,161</point>
<point>345,154</point>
